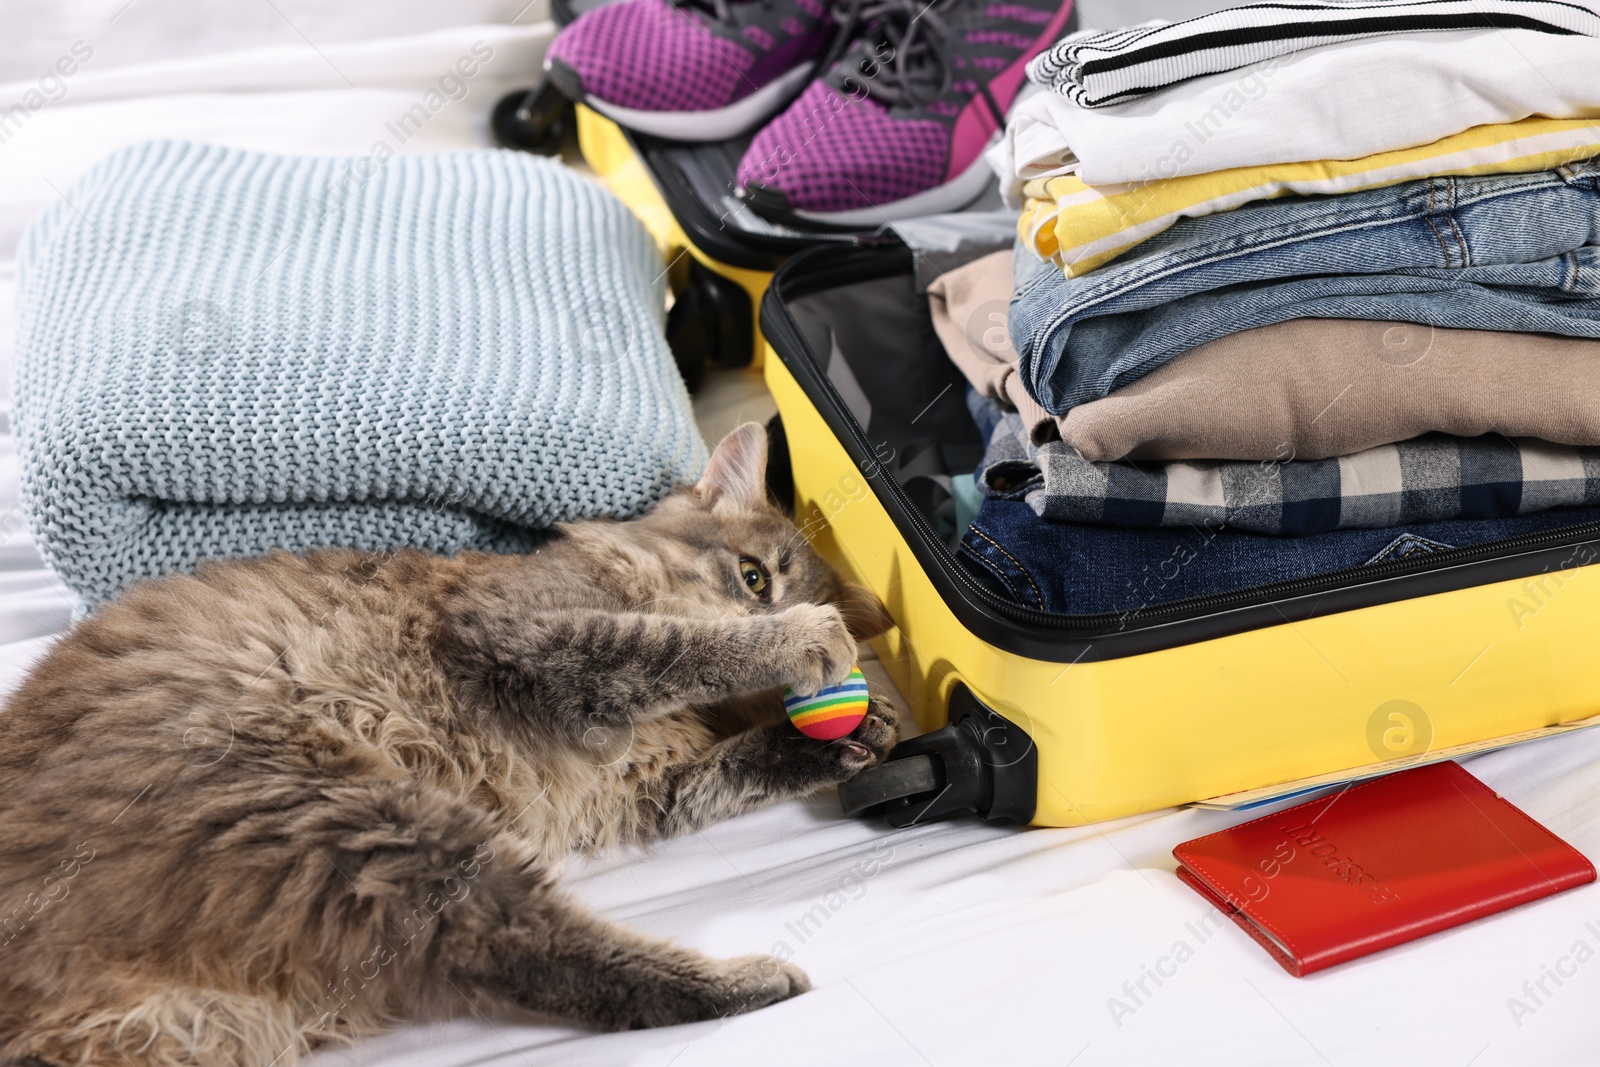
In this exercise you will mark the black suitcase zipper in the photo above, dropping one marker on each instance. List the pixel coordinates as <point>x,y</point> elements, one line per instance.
<point>1044,635</point>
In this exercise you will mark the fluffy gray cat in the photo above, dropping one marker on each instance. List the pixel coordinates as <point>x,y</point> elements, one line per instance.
<point>296,798</point>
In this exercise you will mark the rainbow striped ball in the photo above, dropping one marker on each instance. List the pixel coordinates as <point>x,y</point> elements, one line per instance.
<point>831,713</point>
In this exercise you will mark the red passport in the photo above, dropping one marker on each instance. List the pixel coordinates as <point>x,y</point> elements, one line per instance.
<point>1382,863</point>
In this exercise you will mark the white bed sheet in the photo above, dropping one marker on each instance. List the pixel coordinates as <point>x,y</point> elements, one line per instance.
<point>950,944</point>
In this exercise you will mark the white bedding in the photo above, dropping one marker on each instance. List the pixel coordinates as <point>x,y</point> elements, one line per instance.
<point>949,944</point>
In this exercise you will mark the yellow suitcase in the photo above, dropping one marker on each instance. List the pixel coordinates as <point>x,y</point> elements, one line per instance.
<point>1062,721</point>
<point>718,255</point>
<point>719,274</point>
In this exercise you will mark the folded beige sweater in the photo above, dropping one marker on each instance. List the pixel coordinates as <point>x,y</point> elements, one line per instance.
<point>1308,388</point>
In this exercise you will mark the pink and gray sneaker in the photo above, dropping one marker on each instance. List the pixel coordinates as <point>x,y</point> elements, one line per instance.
<point>897,127</point>
<point>690,70</point>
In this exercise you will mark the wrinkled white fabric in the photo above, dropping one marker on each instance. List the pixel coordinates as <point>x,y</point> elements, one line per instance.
<point>1110,68</point>
<point>1342,101</point>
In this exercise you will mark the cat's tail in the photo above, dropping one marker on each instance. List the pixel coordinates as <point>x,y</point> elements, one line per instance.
<point>166,1027</point>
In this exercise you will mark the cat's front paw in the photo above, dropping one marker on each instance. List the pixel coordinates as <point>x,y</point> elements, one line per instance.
<point>869,743</point>
<point>801,764</point>
<point>876,735</point>
<point>817,647</point>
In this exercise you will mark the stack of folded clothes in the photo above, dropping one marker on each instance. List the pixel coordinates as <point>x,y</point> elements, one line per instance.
<point>1256,300</point>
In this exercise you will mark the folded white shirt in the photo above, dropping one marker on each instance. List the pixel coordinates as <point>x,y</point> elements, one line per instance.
<point>1106,69</point>
<point>1341,101</point>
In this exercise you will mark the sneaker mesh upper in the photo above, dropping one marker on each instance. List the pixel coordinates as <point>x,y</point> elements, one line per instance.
<point>651,56</point>
<point>654,55</point>
<point>907,108</point>
<point>832,152</point>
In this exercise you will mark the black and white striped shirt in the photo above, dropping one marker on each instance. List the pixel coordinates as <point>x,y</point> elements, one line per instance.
<point>1101,69</point>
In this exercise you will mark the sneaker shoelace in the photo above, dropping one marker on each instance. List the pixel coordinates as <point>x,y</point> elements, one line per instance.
<point>909,45</point>
<point>909,49</point>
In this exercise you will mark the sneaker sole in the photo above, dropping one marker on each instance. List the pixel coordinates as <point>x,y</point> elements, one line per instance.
<point>717,125</point>
<point>968,186</point>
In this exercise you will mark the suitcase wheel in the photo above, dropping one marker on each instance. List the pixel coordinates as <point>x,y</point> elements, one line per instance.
<point>981,763</point>
<point>710,322</point>
<point>871,791</point>
<point>533,120</point>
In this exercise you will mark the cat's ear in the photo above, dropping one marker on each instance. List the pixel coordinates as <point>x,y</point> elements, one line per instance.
<point>736,477</point>
<point>864,614</point>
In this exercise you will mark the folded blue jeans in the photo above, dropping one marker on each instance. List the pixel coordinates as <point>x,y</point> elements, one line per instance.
<point>1072,568</point>
<point>1516,253</point>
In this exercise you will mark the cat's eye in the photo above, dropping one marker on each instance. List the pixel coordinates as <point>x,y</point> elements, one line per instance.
<point>754,575</point>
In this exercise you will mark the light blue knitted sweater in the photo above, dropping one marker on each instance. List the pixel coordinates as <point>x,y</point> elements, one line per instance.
<point>220,352</point>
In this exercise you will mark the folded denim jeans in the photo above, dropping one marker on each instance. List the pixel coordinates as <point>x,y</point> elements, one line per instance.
<point>1516,253</point>
<point>1307,388</point>
<point>1071,568</point>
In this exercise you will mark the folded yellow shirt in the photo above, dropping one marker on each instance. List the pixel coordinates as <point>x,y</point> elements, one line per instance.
<point>1082,227</point>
